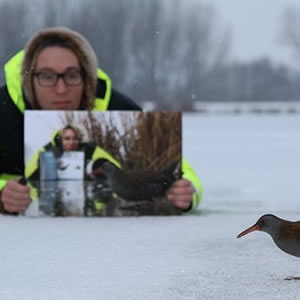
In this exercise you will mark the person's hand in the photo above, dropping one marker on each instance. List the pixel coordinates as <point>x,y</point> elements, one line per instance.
<point>181,193</point>
<point>15,197</point>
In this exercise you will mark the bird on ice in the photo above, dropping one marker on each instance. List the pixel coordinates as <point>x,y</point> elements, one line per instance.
<point>285,234</point>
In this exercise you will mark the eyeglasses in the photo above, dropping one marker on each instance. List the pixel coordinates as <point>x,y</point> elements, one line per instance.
<point>49,78</point>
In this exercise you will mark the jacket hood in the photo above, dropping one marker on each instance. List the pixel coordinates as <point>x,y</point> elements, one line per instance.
<point>66,38</point>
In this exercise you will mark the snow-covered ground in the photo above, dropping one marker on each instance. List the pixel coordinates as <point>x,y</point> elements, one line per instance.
<point>249,165</point>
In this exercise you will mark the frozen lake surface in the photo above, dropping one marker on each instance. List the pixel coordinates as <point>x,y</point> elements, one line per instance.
<point>249,166</point>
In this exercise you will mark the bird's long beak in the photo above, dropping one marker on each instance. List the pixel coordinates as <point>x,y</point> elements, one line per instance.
<point>254,227</point>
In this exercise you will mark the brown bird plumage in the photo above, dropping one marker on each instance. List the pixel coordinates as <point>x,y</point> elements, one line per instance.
<point>285,234</point>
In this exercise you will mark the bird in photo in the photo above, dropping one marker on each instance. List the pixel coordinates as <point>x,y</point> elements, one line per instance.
<point>138,185</point>
<point>285,234</point>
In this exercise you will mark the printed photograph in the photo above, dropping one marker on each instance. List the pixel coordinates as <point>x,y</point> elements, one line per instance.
<point>114,163</point>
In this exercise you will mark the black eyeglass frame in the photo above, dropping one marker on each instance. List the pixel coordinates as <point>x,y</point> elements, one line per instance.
<point>57,76</point>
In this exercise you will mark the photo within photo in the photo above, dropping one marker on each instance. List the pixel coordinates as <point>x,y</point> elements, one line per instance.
<point>111,163</point>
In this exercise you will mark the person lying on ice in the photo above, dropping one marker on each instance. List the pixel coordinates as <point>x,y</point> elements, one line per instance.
<point>58,71</point>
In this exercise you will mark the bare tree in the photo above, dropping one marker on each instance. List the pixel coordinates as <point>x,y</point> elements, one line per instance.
<point>290,33</point>
<point>12,35</point>
<point>174,46</point>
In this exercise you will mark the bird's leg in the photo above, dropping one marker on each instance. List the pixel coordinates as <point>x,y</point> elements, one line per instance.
<point>292,278</point>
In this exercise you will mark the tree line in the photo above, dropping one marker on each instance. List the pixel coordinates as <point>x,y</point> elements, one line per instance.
<point>169,52</point>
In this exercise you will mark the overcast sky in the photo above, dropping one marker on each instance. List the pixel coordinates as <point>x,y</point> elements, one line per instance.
<point>255,27</point>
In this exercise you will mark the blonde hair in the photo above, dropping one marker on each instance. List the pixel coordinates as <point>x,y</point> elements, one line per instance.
<point>66,38</point>
<point>74,129</point>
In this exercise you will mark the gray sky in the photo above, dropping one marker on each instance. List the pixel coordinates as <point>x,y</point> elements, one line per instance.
<point>255,27</point>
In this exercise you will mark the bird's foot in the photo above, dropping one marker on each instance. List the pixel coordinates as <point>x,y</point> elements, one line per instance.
<point>292,278</point>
